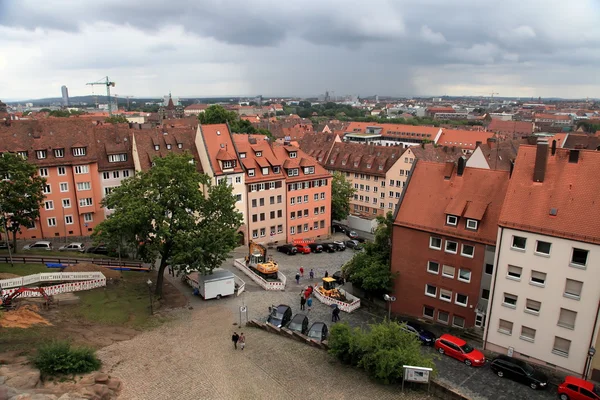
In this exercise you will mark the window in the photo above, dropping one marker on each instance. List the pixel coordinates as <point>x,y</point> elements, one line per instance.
<point>579,257</point>
<point>238,179</point>
<point>254,203</point>
<point>22,154</point>
<point>85,202</point>
<point>83,186</point>
<point>271,185</point>
<point>254,217</point>
<point>43,172</point>
<point>443,317</point>
<point>88,217</point>
<point>81,169</point>
<point>47,189</point>
<point>263,232</point>
<point>293,172</point>
<point>238,198</point>
<point>62,171</point>
<point>542,248</point>
<point>461,299</point>
<point>299,199</point>
<point>451,220</point>
<point>292,200</point>
<point>428,312</point>
<point>435,243</point>
<point>49,205</point>
<point>279,198</point>
<point>59,153</point>
<point>448,271</point>
<point>446,295</point>
<point>430,290</point>
<point>251,172</point>
<point>262,216</point>
<point>467,250</point>
<point>261,201</point>
<point>505,327</point>
<point>106,175</point>
<point>451,247</point>
<point>68,219</point>
<point>265,170</point>
<point>433,267</point>
<point>180,146</point>
<point>573,289</point>
<point>292,230</point>
<point>519,242</point>
<point>79,151</point>
<point>156,147</point>
<point>485,294</point>
<point>66,203</point>
<point>306,198</point>
<point>51,222</point>
<point>309,170</point>
<point>464,275</point>
<point>40,154</point>
<point>279,228</point>
<point>527,334</point>
<point>510,300</point>
<point>533,307</point>
<point>116,174</point>
<point>538,278</point>
<point>561,346</point>
<point>322,195</point>
<point>293,154</point>
<point>255,234</point>
<point>305,227</point>
<point>272,215</point>
<point>566,319</point>
<point>514,272</point>
<point>275,170</point>
<point>472,224</point>
<point>489,269</point>
<point>458,322</point>
<point>119,157</point>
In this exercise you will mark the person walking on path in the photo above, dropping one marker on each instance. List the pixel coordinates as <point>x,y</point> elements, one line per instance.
<point>311,274</point>
<point>335,314</point>
<point>326,274</point>
<point>302,272</point>
<point>302,302</point>
<point>242,341</point>
<point>309,303</point>
<point>297,279</point>
<point>235,338</point>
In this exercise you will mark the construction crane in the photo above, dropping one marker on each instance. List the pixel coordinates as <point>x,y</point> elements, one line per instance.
<point>106,82</point>
<point>492,97</point>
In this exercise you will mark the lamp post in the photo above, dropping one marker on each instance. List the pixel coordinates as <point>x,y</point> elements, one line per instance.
<point>390,300</point>
<point>588,362</point>
<point>149,283</point>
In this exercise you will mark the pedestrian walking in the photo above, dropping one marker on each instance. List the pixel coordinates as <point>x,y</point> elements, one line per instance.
<point>302,302</point>
<point>311,274</point>
<point>326,274</point>
<point>242,341</point>
<point>309,303</point>
<point>235,338</point>
<point>302,272</point>
<point>297,279</point>
<point>335,314</point>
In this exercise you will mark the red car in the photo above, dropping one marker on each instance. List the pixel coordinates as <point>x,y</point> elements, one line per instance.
<point>577,389</point>
<point>303,248</point>
<point>459,349</point>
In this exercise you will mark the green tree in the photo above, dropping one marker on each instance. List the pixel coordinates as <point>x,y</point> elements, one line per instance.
<point>21,195</point>
<point>341,193</point>
<point>216,114</point>
<point>116,119</point>
<point>174,213</point>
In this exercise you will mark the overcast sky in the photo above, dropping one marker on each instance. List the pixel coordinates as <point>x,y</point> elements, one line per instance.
<point>526,48</point>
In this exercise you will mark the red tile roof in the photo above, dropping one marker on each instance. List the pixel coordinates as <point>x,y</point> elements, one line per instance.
<point>197,107</point>
<point>462,138</point>
<point>431,152</point>
<point>553,117</point>
<point>395,130</point>
<point>517,128</point>
<point>217,137</point>
<point>250,145</point>
<point>146,139</point>
<point>582,141</point>
<point>478,193</point>
<point>570,188</point>
<point>318,145</point>
<point>361,158</point>
<point>283,154</point>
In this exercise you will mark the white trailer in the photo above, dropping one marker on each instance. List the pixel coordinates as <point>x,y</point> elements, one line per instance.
<point>216,285</point>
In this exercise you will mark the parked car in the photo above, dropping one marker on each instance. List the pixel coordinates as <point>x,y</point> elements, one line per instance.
<point>4,246</point>
<point>353,244</point>
<point>41,245</point>
<point>299,324</point>
<point>315,247</point>
<point>360,239</point>
<point>318,331</point>
<point>75,246</point>
<point>339,245</point>
<point>303,248</point>
<point>351,234</point>
<point>100,249</point>
<point>279,316</point>
<point>425,337</point>
<point>459,349</point>
<point>578,389</point>
<point>336,227</point>
<point>339,277</point>
<point>329,247</point>
<point>288,249</point>
<point>520,371</point>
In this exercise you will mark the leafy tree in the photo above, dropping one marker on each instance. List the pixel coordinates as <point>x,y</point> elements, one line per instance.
<point>45,110</point>
<point>116,119</point>
<point>341,193</point>
<point>175,213</point>
<point>216,114</point>
<point>21,195</point>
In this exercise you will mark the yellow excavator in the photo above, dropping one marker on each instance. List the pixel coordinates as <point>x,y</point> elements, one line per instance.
<point>258,262</point>
<point>329,289</point>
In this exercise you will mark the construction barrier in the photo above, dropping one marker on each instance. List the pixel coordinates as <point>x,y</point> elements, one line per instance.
<point>347,307</point>
<point>50,277</point>
<point>279,285</point>
<point>61,288</point>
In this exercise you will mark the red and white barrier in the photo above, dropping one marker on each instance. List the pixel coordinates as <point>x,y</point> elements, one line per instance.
<point>50,277</point>
<point>61,288</point>
<point>279,285</point>
<point>347,307</point>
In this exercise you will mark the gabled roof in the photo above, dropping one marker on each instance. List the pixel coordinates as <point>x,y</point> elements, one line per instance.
<point>369,158</point>
<point>431,152</point>
<point>216,138</point>
<point>282,153</point>
<point>571,188</point>
<point>463,139</point>
<point>500,155</point>
<point>318,145</point>
<point>146,139</point>
<point>252,161</point>
<point>429,196</point>
<point>582,141</point>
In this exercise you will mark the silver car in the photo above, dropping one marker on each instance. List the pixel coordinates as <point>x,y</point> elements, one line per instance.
<point>75,246</point>
<point>41,245</point>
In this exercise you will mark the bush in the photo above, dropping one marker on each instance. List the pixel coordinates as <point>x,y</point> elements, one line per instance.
<point>59,358</point>
<point>344,343</point>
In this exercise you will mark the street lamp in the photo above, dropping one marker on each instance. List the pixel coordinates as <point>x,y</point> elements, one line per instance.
<point>390,300</point>
<point>588,362</point>
<point>149,283</point>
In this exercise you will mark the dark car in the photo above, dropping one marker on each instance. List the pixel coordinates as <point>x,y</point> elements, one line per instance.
<point>351,234</point>
<point>288,249</point>
<point>329,247</point>
<point>353,244</point>
<point>299,324</point>
<point>425,337</point>
<point>339,245</point>
<point>520,371</point>
<point>339,277</point>
<point>318,331</point>
<point>360,239</point>
<point>4,246</point>
<point>335,227</point>
<point>100,249</point>
<point>315,247</point>
<point>279,316</point>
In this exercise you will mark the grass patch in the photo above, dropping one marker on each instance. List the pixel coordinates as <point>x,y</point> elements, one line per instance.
<point>24,269</point>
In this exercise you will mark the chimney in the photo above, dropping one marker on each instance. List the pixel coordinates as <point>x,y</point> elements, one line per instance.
<point>573,156</point>
<point>477,144</point>
<point>511,169</point>
<point>541,156</point>
<point>490,142</point>
<point>461,166</point>
<point>553,147</point>
<point>448,169</point>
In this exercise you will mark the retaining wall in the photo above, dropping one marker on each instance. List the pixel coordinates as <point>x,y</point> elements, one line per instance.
<point>280,285</point>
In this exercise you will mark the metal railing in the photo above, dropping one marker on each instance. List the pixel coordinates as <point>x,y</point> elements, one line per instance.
<point>70,260</point>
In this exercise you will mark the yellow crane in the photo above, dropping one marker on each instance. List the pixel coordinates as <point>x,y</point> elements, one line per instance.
<point>108,83</point>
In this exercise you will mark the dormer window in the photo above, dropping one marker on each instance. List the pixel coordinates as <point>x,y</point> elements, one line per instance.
<point>40,154</point>
<point>117,157</point>
<point>22,154</point>
<point>227,164</point>
<point>251,172</point>
<point>380,167</point>
<point>258,153</point>
<point>168,147</point>
<point>451,220</point>
<point>293,154</point>
<point>309,170</point>
<point>265,171</point>
<point>472,224</point>
<point>368,165</point>
<point>275,170</point>
<point>156,147</point>
<point>343,162</point>
<point>79,151</point>
<point>242,155</point>
<point>356,163</point>
<point>180,145</point>
<point>293,172</point>
<point>59,153</point>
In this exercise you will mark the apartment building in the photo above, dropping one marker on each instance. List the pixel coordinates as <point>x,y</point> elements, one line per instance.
<point>389,134</point>
<point>545,299</point>
<point>265,185</point>
<point>308,192</point>
<point>443,242</point>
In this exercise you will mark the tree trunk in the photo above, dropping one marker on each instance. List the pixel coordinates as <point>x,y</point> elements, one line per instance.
<point>160,277</point>
<point>14,240</point>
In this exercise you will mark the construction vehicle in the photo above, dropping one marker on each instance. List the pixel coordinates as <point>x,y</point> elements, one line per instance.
<point>258,262</point>
<point>329,289</point>
<point>6,301</point>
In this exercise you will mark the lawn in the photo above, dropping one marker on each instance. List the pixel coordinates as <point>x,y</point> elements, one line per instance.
<point>24,269</point>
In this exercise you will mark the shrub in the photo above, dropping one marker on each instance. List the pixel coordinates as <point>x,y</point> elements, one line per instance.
<point>344,343</point>
<point>59,358</point>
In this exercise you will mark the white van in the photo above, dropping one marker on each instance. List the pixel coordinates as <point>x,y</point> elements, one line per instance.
<point>216,285</point>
